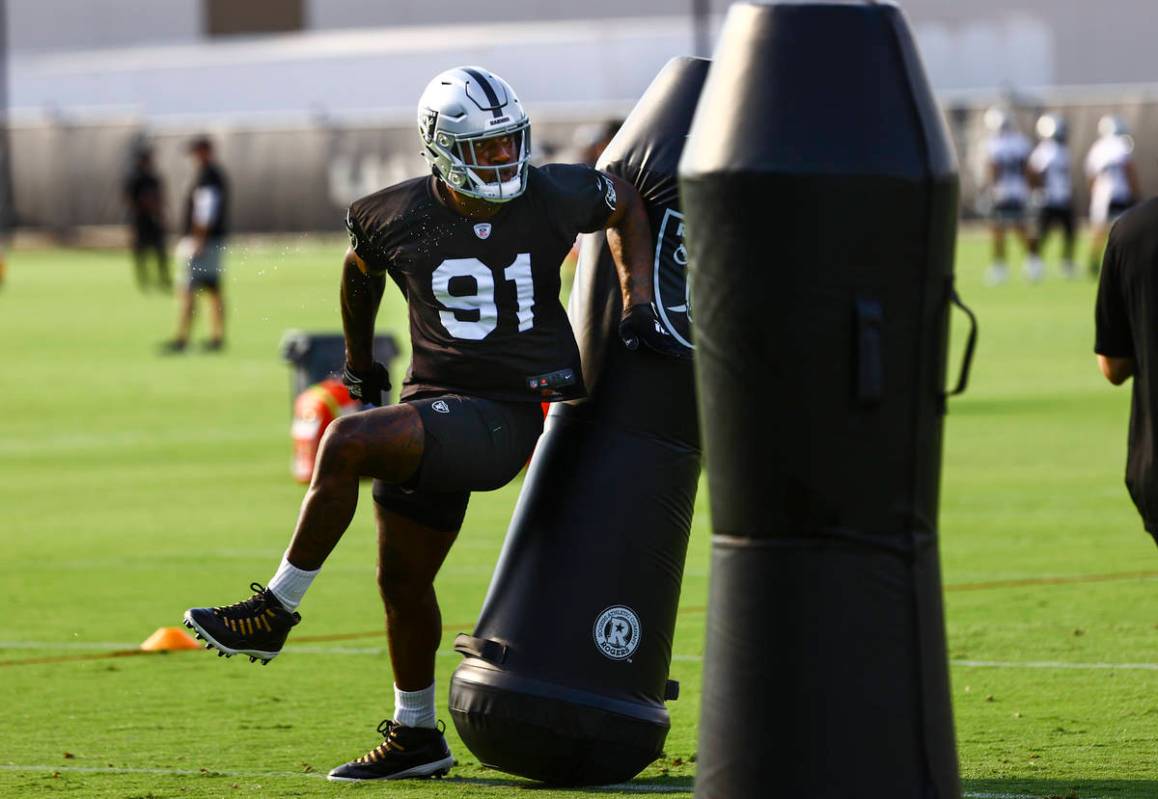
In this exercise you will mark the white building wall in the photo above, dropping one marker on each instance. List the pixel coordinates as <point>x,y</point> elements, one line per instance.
<point>332,14</point>
<point>151,55</point>
<point>379,72</point>
<point>41,25</point>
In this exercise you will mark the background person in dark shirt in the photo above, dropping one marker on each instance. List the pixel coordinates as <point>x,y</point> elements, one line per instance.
<point>144,195</point>
<point>1126,319</point>
<point>475,248</point>
<point>202,248</point>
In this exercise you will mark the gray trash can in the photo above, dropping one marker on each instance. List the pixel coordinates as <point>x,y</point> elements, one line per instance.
<point>318,356</point>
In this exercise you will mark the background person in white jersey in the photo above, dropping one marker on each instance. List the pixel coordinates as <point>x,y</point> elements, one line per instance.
<point>1113,181</point>
<point>1049,172</point>
<point>1007,153</point>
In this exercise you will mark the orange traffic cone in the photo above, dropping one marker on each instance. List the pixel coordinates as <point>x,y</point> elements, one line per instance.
<point>168,639</point>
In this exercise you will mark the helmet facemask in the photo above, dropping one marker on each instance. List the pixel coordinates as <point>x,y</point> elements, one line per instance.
<point>455,159</point>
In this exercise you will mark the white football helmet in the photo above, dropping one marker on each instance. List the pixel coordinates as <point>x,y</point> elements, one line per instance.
<point>462,108</point>
<point>1052,126</point>
<point>998,120</point>
<point>1111,125</point>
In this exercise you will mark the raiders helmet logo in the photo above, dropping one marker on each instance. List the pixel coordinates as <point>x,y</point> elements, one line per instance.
<point>428,123</point>
<point>350,231</point>
<point>609,193</point>
<point>673,297</point>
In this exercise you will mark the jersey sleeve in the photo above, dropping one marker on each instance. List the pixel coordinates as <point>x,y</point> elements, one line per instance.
<point>1039,159</point>
<point>363,241</point>
<point>1113,337</point>
<point>582,198</point>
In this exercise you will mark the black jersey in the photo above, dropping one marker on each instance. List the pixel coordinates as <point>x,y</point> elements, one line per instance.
<point>485,316</point>
<point>1126,318</point>
<point>143,190</point>
<point>212,177</point>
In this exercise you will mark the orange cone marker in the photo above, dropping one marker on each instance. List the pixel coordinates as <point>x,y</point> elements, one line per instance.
<point>168,639</point>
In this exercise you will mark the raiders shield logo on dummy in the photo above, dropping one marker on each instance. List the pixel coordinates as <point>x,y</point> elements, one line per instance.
<point>673,295</point>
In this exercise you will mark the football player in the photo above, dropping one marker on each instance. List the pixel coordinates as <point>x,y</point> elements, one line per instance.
<point>202,248</point>
<point>1113,182</point>
<point>1049,170</point>
<point>475,248</point>
<point>1007,151</point>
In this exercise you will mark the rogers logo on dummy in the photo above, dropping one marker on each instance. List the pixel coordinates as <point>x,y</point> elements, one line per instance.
<point>617,632</point>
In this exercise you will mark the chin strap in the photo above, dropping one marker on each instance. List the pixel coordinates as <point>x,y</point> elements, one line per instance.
<point>503,192</point>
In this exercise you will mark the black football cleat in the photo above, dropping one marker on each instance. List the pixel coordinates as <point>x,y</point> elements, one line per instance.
<point>257,626</point>
<point>405,753</point>
<point>174,347</point>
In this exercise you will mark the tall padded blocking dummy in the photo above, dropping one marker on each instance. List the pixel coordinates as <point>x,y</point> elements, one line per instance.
<point>821,199</point>
<point>567,672</point>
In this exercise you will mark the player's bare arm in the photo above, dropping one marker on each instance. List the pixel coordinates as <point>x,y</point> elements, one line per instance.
<point>629,239</point>
<point>361,294</point>
<point>1132,180</point>
<point>1116,370</point>
<point>1035,177</point>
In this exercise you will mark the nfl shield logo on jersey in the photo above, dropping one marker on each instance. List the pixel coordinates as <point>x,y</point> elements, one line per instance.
<point>483,230</point>
<point>673,298</point>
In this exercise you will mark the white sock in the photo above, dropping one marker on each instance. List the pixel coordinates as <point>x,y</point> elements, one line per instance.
<point>414,708</point>
<point>290,583</point>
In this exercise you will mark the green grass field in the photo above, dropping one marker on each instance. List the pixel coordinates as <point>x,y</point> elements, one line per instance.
<point>135,485</point>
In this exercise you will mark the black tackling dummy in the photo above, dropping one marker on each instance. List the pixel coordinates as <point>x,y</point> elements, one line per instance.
<point>821,196</point>
<point>566,675</point>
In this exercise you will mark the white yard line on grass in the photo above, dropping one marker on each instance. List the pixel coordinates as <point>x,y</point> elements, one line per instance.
<point>316,649</point>
<point>254,774</point>
<point>160,772</point>
<point>1051,664</point>
<point>971,795</point>
<point>55,646</point>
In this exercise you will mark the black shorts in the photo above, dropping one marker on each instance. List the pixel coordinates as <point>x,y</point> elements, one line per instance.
<point>1051,215</point>
<point>472,444</point>
<point>1119,208</point>
<point>1009,212</point>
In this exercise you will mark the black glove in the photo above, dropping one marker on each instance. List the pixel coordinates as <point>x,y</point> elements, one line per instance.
<point>640,324</point>
<point>367,386</point>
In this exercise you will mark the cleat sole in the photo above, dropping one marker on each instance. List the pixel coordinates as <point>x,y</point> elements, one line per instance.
<point>225,651</point>
<point>434,770</point>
